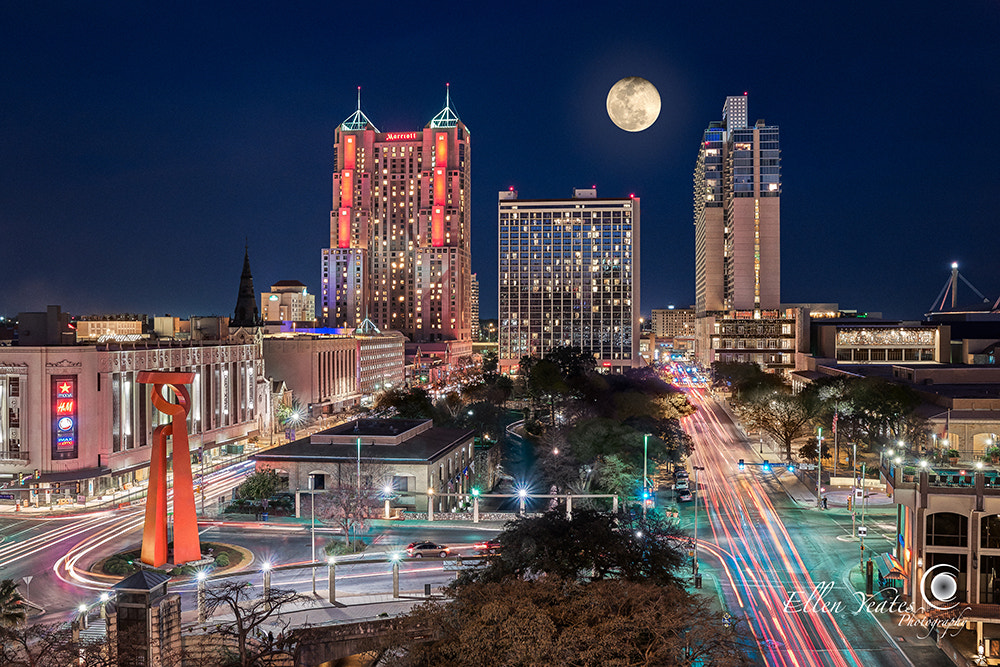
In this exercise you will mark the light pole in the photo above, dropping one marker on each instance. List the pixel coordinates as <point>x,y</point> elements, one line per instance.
<point>359,468</point>
<point>395,575</point>
<point>104,604</point>
<point>475,506</point>
<point>522,494</point>
<point>645,457</point>
<point>201,576</point>
<point>430,504</point>
<point>694,564</point>
<point>312,501</point>
<point>266,568</point>
<point>331,575</point>
<point>387,491</point>
<point>819,468</point>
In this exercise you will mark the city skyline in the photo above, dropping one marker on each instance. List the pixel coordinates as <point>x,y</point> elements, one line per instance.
<point>150,131</point>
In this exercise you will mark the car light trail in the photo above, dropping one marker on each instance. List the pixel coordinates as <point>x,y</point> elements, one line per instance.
<point>761,559</point>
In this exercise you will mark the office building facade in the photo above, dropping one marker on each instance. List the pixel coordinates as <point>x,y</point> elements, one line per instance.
<point>569,276</point>
<point>400,230</point>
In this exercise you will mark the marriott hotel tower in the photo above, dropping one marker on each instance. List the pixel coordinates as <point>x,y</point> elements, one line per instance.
<point>399,230</point>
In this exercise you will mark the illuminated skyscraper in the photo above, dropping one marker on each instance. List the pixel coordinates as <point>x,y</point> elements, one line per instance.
<point>737,201</point>
<point>475,307</point>
<point>400,230</point>
<point>737,206</point>
<point>569,276</point>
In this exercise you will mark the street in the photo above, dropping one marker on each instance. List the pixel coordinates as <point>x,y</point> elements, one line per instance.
<point>778,564</point>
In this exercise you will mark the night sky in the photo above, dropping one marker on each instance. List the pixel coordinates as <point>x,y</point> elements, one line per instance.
<point>141,145</point>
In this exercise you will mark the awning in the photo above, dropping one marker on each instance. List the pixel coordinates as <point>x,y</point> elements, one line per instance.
<point>889,566</point>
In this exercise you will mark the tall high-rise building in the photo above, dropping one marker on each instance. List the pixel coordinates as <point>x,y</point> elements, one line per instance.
<point>569,276</point>
<point>737,206</point>
<point>737,200</point>
<point>475,307</point>
<point>400,229</point>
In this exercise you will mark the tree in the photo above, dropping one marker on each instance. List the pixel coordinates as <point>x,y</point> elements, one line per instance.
<point>557,622</point>
<point>742,377</point>
<point>37,645</point>
<point>350,505</point>
<point>593,545</point>
<point>783,416</point>
<point>261,485</point>
<point>406,403</point>
<point>808,450</point>
<point>249,613</point>
<point>12,608</point>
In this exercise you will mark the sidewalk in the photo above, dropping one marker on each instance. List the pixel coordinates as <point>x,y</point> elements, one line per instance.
<point>913,640</point>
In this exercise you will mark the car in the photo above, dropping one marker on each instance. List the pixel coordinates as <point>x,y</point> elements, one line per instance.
<point>681,484</point>
<point>488,547</point>
<point>684,496</point>
<point>680,473</point>
<point>418,549</point>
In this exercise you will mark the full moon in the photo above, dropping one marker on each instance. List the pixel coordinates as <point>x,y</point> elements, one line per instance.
<point>633,104</point>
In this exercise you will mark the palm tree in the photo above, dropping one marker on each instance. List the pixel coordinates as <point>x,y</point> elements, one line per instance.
<point>12,609</point>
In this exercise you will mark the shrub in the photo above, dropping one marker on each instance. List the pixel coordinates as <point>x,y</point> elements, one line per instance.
<point>117,566</point>
<point>338,548</point>
<point>222,560</point>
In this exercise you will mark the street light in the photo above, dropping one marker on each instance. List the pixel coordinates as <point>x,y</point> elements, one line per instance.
<point>430,504</point>
<point>694,565</point>
<point>387,492</point>
<point>645,456</point>
<point>201,576</point>
<point>266,568</point>
<point>395,575</point>
<point>522,494</point>
<point>331,574</point>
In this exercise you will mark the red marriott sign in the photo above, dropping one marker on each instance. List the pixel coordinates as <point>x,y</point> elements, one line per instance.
<point>401,136</point>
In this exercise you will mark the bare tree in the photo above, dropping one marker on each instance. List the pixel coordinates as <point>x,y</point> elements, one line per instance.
<point>249,615</point>
<point>355,499</point>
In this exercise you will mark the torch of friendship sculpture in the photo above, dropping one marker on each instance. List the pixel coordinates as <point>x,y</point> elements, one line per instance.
<point>187,545</point>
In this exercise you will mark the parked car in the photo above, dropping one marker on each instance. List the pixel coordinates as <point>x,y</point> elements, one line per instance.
<point>419,549</point>
<point>681,483</point>
<point>680,473</point>
<point>684,496</point>
<point>487,547</point>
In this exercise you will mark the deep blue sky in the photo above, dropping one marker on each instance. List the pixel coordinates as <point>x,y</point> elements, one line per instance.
<point>139,146</point>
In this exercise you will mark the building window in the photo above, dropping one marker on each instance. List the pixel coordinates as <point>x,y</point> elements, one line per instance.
<point>990,532</point>
<point>947,529</point>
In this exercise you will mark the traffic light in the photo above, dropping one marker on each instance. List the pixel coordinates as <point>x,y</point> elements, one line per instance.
<point>766,465</point>
<point>37,473</point>
<point>742,465</point>
<point>20,478</point>
<point>850,503</point>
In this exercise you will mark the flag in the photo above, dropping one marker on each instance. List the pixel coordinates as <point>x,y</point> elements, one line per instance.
<point>835,415</point>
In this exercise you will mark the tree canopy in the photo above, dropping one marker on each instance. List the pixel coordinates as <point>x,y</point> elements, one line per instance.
<point>591,546</point>
<point>596,590</point>
<point>260,485</point>
<point>610,623</point>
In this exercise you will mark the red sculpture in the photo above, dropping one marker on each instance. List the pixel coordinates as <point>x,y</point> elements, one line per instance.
<point>187,545</point>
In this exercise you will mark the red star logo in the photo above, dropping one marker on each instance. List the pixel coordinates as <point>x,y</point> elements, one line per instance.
<point>65,388</point>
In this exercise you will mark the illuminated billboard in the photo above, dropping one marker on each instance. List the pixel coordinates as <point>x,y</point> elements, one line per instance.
<point>65,411</point>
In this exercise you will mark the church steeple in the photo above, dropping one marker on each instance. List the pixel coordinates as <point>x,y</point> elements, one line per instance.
<point>246,314</point>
